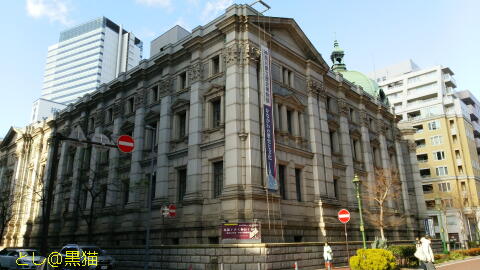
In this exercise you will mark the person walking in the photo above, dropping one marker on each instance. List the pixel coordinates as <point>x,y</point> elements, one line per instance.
<point>419,254</point>
<point>328,256</point>
<point>428,253</point>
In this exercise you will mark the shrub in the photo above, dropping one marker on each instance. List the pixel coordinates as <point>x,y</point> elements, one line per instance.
<point>373,259</point>
<point>455,255</point>
<point>404,254</point>
<point>470,252</point>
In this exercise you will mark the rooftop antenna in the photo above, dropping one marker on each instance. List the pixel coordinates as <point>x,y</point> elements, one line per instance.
<point>265,5</point>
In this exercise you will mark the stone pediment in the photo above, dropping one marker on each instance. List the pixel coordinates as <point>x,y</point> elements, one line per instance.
<point>180,103</point>
<point>287,32</point>
<point>290,101</point>
<point>10,137</point>
<point>215,90</point>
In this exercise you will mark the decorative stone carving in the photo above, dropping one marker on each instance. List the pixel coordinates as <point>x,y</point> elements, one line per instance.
<point>140,98</point>
<point>231,55</point>
<point>99,118</point>
<point>242,23</point>
<point>342,107</point>
<point>117,109</point>
<point>250,53</point>
<point>165,85</point>
<point>364,118</point>
<point>381,128</point>
<point>195,72</point>
<point>315,88</point>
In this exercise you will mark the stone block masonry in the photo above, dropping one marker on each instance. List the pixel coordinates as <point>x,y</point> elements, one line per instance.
<point>264,256</point>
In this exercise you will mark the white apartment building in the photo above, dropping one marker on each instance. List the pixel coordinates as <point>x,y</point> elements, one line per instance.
<point>418,93</point>
<point>86,56</point>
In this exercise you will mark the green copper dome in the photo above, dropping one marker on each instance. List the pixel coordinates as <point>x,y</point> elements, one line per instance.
<point>355,77</point>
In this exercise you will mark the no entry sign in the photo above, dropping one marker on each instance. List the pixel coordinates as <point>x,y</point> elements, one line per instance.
<point>125,143</point>
<point>172,210</point>
<point>344,216</point>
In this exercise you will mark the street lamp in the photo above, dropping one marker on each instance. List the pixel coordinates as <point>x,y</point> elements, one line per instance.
<point>356,182</point>
<point>440,221</point>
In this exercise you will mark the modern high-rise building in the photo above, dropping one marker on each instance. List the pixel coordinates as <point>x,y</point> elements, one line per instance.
<point>447,128</point>
<point>86,56</point>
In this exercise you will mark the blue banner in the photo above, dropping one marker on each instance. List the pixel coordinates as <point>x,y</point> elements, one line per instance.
<point>268,123</point>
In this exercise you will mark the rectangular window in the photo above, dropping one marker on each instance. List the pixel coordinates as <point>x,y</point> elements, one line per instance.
<point>216,113</point>
<point>182,183</point>
<point>439,155</point>
<point>215,65</point>
<point>335,188</point>
<point>444,187</point>
<point>427,189</point>
<point>91,124</point>
<point>418,128</point>
<point>447,203</point>
<point>287,76</point>
<point>434,125</point>
<point>109,115</point>
<point>153,186</point>
<point>441,171</point>
<point>130,105</point>
<point>154,94</point>
<point>103,195</point>
<point>282,180</point>
<point>436,140</point>
<point>298,184</point>
<point>182,81</point>
<point>289,122</point>
<point>182,122</point>
<point>217,178</point>
<point>430,204</point>
<point>424,173</point>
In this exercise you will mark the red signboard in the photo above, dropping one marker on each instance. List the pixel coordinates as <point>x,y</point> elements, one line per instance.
<point>344,216</point>
<point>125,143</point>
<point>241,231</point>
<point>172,210</point>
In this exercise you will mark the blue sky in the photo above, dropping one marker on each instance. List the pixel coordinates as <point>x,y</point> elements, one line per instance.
<point>373,33</point>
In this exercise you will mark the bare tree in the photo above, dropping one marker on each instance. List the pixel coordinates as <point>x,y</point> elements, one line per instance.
<point>7,202</point>
<point>382,196</point>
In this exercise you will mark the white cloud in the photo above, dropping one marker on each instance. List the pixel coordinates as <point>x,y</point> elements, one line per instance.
<point>156,3</point>
<point>54,10</point>
<point>214,7</point>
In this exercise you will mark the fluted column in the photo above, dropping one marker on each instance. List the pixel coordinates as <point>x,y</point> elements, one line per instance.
<point>367,149</point>
<point>284,122</point>
<point>113,184</point>
<point>137,155</point>
<point>62,167</point>
<point>346,149</point>
<point>164,135</point>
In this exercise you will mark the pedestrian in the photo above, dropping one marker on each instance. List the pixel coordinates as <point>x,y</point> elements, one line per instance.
<point>427,251</point>
<point>419,253</point>
<point>328,256</point>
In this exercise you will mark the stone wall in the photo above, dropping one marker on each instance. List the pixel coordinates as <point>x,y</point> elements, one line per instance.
<point>308,255</point>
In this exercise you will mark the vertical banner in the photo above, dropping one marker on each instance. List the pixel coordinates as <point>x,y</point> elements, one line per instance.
<point>268,128</point>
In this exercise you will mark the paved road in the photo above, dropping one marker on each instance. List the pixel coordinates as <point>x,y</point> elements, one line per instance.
<point>470,264</point>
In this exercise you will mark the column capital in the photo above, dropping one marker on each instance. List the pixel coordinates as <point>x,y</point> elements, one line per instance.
<point>342,107</point>
<point>364,118</point>
<point>315,87</point>
<point>231,54</point>
<point>250,53</point>
<point>140,98</point>
<point>412,146</point>
<point>195,72</point>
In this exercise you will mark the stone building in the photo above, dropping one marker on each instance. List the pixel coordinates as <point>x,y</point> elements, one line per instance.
<point>193,110</point>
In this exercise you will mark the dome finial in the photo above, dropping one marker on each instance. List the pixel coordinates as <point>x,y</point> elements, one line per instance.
<point>337,58</point>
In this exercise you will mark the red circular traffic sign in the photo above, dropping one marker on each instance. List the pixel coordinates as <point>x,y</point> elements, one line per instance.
<point>172,210</point>
<point>344,216</point>
<point>125,143</point>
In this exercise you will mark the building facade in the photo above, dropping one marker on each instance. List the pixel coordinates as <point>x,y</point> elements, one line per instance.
<point>446,134</point>
<point>193,110</point>
<point>86,56</point>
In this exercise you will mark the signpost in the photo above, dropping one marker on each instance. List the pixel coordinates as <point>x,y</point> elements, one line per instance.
<point>344,217</point>
<point>125,143</point>
<point>241,232</point>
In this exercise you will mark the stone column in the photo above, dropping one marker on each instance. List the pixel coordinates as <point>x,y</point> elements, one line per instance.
<point>284,122</point>
<point>276,112</point>
<point>77,169</point>
<point>62,167</point>
<point>136,173</point>
<point>367,153</point>
<point>346,149</point>
<point>114,183</point>
<point>322,104</point>
<point>317,137</point>
<point>194,127</point>
<point>161,188</point>
<point>94,180</point>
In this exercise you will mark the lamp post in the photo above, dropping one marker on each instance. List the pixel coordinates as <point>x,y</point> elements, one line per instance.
<point>440,221</point>
<point>356,182</point>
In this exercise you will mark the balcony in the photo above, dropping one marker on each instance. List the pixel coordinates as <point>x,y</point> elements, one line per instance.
<point>449,80</point>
